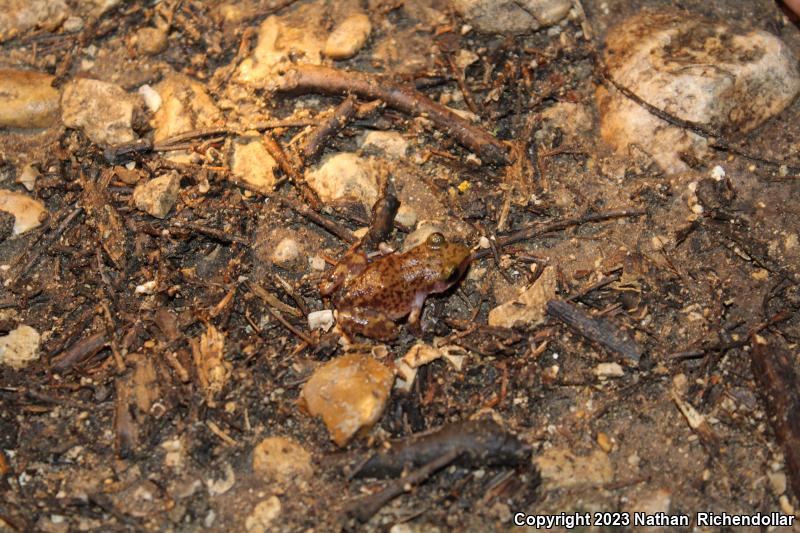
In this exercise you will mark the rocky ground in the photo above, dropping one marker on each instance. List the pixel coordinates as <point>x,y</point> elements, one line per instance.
<point>177,178</point>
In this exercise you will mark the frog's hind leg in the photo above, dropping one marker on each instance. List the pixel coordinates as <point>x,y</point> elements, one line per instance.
<point>368,323</point>
<point>351,265</point>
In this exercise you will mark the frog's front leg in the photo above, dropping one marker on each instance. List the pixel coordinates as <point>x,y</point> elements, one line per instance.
<point>414,324</point>
<point>352,264</point>
<point>367,322</point>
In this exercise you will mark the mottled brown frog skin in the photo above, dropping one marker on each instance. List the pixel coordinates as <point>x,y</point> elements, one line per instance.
<point>370,296</point>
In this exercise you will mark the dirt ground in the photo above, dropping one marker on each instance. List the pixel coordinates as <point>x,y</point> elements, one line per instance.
<point>114,428</point>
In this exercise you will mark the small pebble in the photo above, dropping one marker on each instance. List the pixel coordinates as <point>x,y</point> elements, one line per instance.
<point>28,177</point>
<point>321,320</point>
<point>263,515</point>
<point>157,196</point>
<point>317,263</point>
<point>20,347</point>
<point>609,370</point>
<point>718,173</point>
<point>286,252</point>
<point>28,213</point>
<point>348,37</point>
<point>406,216</point>
<point>151,97</point>
<point>604,442</point>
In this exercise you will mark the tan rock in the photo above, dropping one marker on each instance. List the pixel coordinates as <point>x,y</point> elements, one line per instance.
<point>263,515</point>
<point>185,106</point>
<point>20,347</point>
<point>252,163</point>
<point>390,143</point>
<point>348,37</point>
<point>294,37</point>
<point>104,111</point>
<point>281,459</point>
<point>561,469</point>
<point>344,175</point>
<point>529,308</point>
<point>706,72</point>
<point>150,40</point>
<point>348,393</point>
<point>157,196</point>
<point>28,212</point>
<point>27,100</point>
<point>18,16</point>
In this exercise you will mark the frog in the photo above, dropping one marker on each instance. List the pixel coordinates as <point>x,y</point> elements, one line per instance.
<point>370,296</point>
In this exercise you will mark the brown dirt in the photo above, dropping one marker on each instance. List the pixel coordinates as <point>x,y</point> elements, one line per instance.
<point>65,440</point>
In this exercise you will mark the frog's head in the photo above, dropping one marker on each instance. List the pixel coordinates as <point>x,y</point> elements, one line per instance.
<point>453,260</point>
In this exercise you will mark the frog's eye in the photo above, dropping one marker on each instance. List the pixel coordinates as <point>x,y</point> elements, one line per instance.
<point>452,275</point>
<point>435,240</point>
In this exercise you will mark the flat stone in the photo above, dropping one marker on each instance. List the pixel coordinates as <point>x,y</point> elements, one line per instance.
<point>530,307</point>
<point>348,393</point>
<point>512,16</point>
<point>157,196</point>
<point>561,469</point>
<point>281,459</point>
<point>20,347</point>
<point>344,175</point>
<point>706,72</point>
<point>348,37</point>
<point>252,163</point>
<point>104,111</point>
<point>28,212</point>
<point>27,99</point>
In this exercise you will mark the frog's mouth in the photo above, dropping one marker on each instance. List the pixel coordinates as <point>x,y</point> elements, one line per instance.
<point>442,286</point>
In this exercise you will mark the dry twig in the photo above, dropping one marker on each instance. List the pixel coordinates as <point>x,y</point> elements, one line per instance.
<point>327,80</point>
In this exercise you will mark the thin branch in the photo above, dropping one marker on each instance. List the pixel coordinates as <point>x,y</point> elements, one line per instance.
<point>327,80</point>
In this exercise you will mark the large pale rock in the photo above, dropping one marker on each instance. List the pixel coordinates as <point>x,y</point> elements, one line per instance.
<point>185,106</point>
<point>348,36</point>
<point>104,111</point>
<point>512,16</point>
<point>20,347</point>
<point>28,212</point>
<point>27,100</point>
<point>710,73</point>
<point>294,37</point>
<point>18,16</point>
<point>344,175</point>
<point>349,393</point>
<point>530,307</point>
